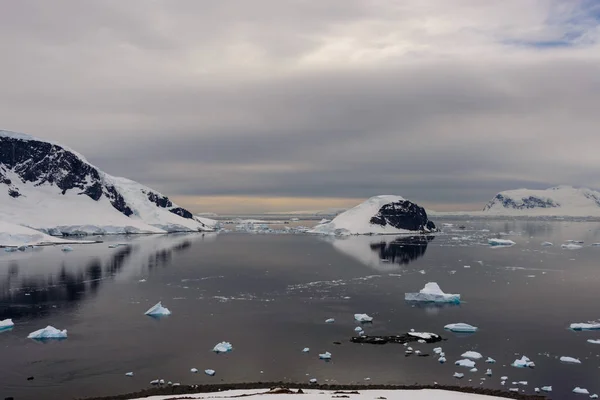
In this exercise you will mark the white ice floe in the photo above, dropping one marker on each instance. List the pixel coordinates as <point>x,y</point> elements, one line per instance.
<point>6,324</point>
<point>547,389</point>
<point>513,390</point>
<point>547,244</point>
<point>465,363</point>
<point>461,327</point>
<point>593,396</point>
<point>594,341</point>
<point>458,375</point>
<point>330,321</point>
<point>437,350</point>
<point>305,350</point>
<point>210,372</point>
<point>523,362</point>
<point>363,318</point>
<point>158,310</point>
<point>313,380</point>
<point>571,246</point>
<point>223,347</point>
<point>442,360</point>
<point>325,356</point>
<point>155,382</point>
<point>423,335</point>
<point>358,329</point>
<point>432,293</point>
<point>503,378</point>
<point>590,326</point>
<point>579,390</point>
<point>500,242</point>
<point>48,332</point>
<point>472,354</point>
<point>473,370</point>
<point>488,372</point>
<point>570,360</point>
<point>194,370</point>
<point>490,360</point>
<point>130,374</point>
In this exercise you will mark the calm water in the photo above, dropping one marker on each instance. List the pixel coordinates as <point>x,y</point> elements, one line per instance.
<point>270,294</point>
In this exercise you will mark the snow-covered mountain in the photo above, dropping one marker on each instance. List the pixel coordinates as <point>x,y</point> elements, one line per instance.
<point>556,201</point>
<point>49,187</point>
<point>385,214</point>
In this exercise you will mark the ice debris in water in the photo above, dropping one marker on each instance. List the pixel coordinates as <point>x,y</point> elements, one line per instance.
<point>129,374</point>
<point>305,350</point>
<point>48,332</point>
<point>67,248</point>
<point>442,360</point>
<point>194,370</point>
<point>488,372</point>
<point>423,335</point>
<point>593,396</point>
<point>590,326</point>
<point>571,246</point>
<point>210,372</point>
<point>158,310</point>
<point>223,347</point>
<point>547,244</point>
<point>363,318</point>
<point>358,329</point>
<point>570,360</point>
<point>524,362</point>
<point>330,321</point>
<point>458,375</point>
<point>437,350</point>
<point>594,341</point>
<point>313,380</point>
<point>325,356</point>
<point>546,388</point>
<point>500,242</point>
<point>6,324</point>
<point>465,363</point>
<point>473,370</point>
<point>461,328</point>
<point>490,360</point>
<point>432,293</point>
<point>579,390</point>
<point>472,354</point>
<point>155,382</point>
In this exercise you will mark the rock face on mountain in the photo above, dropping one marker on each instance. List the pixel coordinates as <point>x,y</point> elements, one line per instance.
<point>47,186</point>
<point>379,215</point>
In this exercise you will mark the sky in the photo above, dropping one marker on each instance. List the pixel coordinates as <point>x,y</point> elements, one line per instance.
<point>269,105</point>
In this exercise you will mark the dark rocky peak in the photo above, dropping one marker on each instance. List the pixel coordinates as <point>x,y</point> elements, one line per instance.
<point>403,215</point>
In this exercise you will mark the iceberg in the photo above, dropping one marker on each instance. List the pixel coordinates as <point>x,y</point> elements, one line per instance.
<point>313,380</point>
<point>472,354</point>
<point>594,341</point>
<point>465,363</point>
<point>500,242</point>
<point>488,372</point>
<point>358,329</point>
<point>158,310</point>
<point>194,370</point>
<point>490,360</point>
<point>363,318</point>
<point>433,294</point>
<point>424,335</point>
<point>473,370</point>
<point>570,360</point>
<point>591,326</point>
<point>593,396</point>
<point>130,374</point>
<point>223,347</point>
<point>48,332</point>
<point>330,321</point>
<point>546,388</point>
<point>524,362</point>
<point>442,360</point>
<point>458,375</point>
<point>305,350</point>
<point>547,244</point>
<point>579,390</point>
<point>461,328</point>
<point>437,350</point>
<point>6,325</point>
<point>325,356</point>
<point>571,246</point>
<point>210,372</point>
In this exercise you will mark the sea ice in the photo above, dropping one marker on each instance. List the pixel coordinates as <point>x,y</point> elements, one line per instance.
<point>442,360</point>
<point>570,360</point>
<point>155,382</point>
<point>465,363</point>
<point>432,293</point>
<point>472,354</point>
<point>325,356</point>
<point>305,350</point>
<point>129,374</point>
<point>500,242</point>
<point>490,360</point>
<point>503,378</point>
<point>6,324</point>
<point>458,375</point>
<point>593,396</point>
<point>547,244</point>
<point>313,380</point>
<point>579,390</point>
<point>437,350</point>
<point>423,335</point>
<point>488,372</point>
<point>571,246</point>
<point>363,318</point>
<point>594,341</point>
<point>546,388</point>
<point>592,326</point>
<point>158,310</point>
<point>330,321</point>
<point>48,332</point>
<point>210,372</point>
<point>473,370</point>
<point>194,370</point>
<point>461,327</point>
<point>358,329</point>
<point>223,347</point>
<point>524,362</point>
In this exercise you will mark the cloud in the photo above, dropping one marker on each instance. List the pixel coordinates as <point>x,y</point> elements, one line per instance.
<point>441,102</point>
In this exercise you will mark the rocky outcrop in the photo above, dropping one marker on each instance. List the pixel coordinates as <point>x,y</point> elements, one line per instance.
<point>403,215</point>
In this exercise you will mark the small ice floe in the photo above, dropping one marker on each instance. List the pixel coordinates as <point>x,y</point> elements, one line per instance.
<point>590,326</point>
<point>223,347</point>
<point>363,318</point>
<point>571,246</point>
<point>594,341</point>
<point>524,362</point>
<point>155,382</point>
<point>422,272</point>
<point>158,310</point>
<point>437,350</point>
<point>194,370</point>
<point>48,332</point>
<point>458,375</point>
<point>358,329</point>
<point>523,383</point>
<point>461,327</point>
<point>488,372</point>
<point>593,396</point>
<point>6,325</point>
<point>442,360</point>
<point>467,266</point>
<point>537,390</point>
<point>579,390</point>
<point>423,335</point>
<point>432,293</point>
<point>546,389</point>
<point>570,360</point>
<point>472,354</point>
<point>161,381</point>
<point>210,372</point>
<point>417,352</point>
<point>547,244</point>
<point>325,356</point>
<point>501,242</point>
<point>473,370</point>
<point>465,363</point>
<point>446,225</point>
<point>513,390</point>
<point>503,378</point>
<point>490,360</point>
<point>305,350</point>
<point>67,248</point>
<point>10,249</point>
<point>176,384</point>
<point>421,341</point>
<point>142,280</point>
<point>129,374</point>
<point>313,380</point>
<point>330,320</point>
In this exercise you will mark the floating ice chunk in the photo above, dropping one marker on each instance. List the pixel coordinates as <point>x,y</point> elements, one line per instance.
<point>330,321</point>
<point>313,380</point>
<point>358,329</point>
<point>194,370</point>
<point>158,310</point>
<point>155,382</point>
<point>130,374</point>
<point>67,248</point>
<point>461,328</point>
<point>210,372</point>
<point>570,360</point>
<point>571,246</point>
<point>524,362</point>
<point>48,332</point>
<point>363,318</point>
<point>467,266</point>
<point>503,378</point>
<point>500,242</point>
<point>594,341</point>
<point>547,244</point>
<point>432,293</point>
<point>6,324</point>
<point>161,381</point>
<point>591,326</point>
<point>442,360</point>
<point>325,356</point>
<point>423,335</point>
<point>546,389</point>
<point>417,352</point>
<point>472,354</point>
<point>513,390</point>
<point>458,375</point>
<point>305,350</point>
<point>465,363</point>
<point>223,347</point>
<point>437,350</point>
<point>473,370</point>
<point>445,225</point>
<point>593,396</point>
<point>488,372</point>
<point>422,272</point>
<point>537,390</point>
<point>523,383</point>
<point>490,360</point>
<point>579,390</point>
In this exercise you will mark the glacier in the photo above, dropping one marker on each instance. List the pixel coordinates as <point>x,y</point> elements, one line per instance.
<point>432,293</point>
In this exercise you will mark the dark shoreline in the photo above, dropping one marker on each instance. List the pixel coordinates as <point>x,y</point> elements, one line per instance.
<point>194,389</point>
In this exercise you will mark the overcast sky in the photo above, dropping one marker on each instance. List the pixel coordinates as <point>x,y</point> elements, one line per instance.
<point>265,105</point>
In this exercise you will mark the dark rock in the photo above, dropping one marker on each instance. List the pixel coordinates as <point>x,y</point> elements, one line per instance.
<point>13,193</point>
<point>182,212</point>
<point>300,391</point>
<point>403,215</point>
<point>30,378</point>
<point>337,342</point>
<point>528,202</point>
<point>401,339</point>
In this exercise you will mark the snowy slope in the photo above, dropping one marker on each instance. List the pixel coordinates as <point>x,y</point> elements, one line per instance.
<point>50,187</point>
<point>360,219</point>
<point>16,235</point>
<point>556,201</point>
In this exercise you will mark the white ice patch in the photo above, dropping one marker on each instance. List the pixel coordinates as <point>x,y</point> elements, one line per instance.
<point>590,326</point>
<point>423,335</point>
<point>490,360</point>
<point>570,360</point>
<point>571,246</point>
<point>48,332</point>
<point>223,347</point>
<point>461,327</point>
<point>465,363</point>
<point>547,244</point>
<point>6,324</point>
<point>594,341</point>
<point>501,242</point>
<point>158,310</point>
<point>325,356</point>
<point>472,355</point>
<point>458,375</point>
<point>210,372</point>
<point>579,390</point>
<point>523,362</point>
<point>432,293</point>
<point>363,318</point>
<point>330,321</point>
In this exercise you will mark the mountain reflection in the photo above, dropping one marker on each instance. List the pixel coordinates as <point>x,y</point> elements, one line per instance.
<point>402,250</point>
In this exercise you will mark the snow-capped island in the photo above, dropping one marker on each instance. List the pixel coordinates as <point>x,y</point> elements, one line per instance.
<point>379,215</point>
